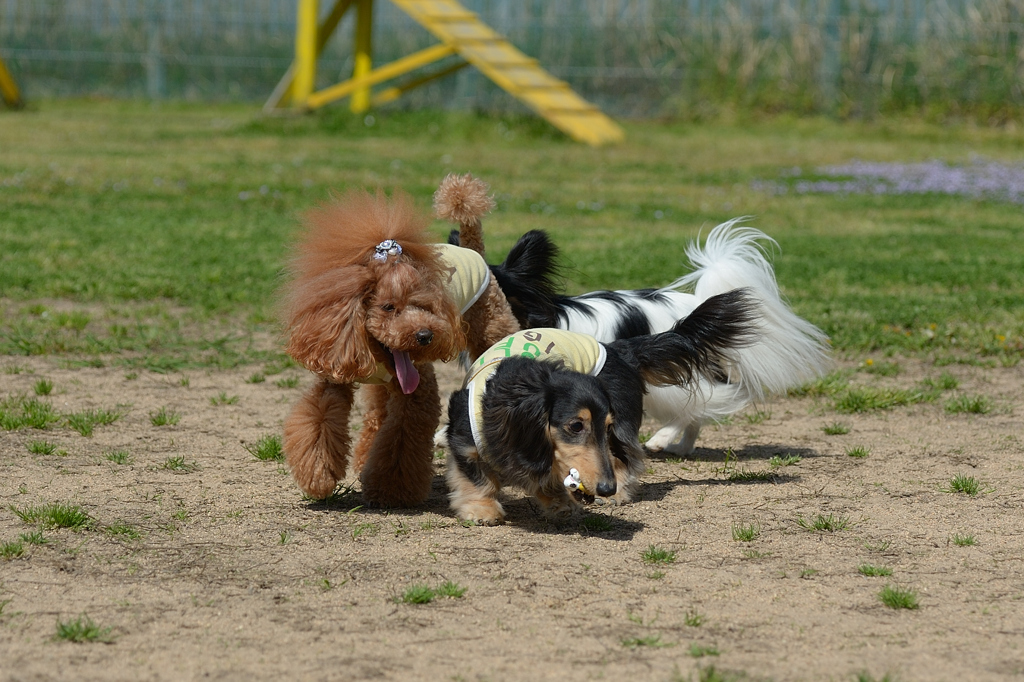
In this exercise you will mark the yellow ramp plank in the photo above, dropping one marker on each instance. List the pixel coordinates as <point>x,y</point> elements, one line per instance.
<point>512,70</point>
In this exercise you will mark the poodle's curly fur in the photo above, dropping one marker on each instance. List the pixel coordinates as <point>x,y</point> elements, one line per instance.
<point>350,317</point>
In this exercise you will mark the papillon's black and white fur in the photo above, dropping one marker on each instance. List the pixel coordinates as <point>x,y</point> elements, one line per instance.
<point>541,420</point>
<point>788,352</point>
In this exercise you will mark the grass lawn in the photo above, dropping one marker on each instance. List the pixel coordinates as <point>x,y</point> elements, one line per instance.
<point>158,233</point>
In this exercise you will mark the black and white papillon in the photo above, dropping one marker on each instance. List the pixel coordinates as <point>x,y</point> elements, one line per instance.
<point>788,351</point>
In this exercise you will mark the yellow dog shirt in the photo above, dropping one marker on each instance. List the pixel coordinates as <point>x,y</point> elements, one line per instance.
<point>578,352</point>
<point>465,277</point>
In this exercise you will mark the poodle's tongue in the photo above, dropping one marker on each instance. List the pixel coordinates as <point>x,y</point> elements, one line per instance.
<point>408,377</point>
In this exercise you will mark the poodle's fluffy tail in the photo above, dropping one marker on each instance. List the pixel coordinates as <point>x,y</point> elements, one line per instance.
<point>463,199</point>
<point>789,351</point>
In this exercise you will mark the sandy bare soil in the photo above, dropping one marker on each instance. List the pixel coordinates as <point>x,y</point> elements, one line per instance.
<point>235,576</point>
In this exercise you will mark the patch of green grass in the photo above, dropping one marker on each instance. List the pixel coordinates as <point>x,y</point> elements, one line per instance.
<point>831,523</point>
<point>87,420</point>
<point>418,594</point>
<point>963,540</point>
<point>746,533</point>
<point>256,378</point>
<point>119,456</point>
<point>873,571</point>
<point>758,416</point>
<point>450,589</point>
<point>367,529</point>
<point>867,677</point>
<point>867,398</point>
<point>651,641</point>
<point>12,549</point>
<point>978,404</point>
<point>43,387</point>
<point>746,476</point>
<point>267,449</point>
<point>82,629</point>
<point>164,417</point>
<point>700,651</point>
<point>786,460</point>
<point>966,485</point>
<point>858,452</point>
<point>55,515</point>
<point>223,398</point>
<point>19,412</point>
<point>944,382</point>
<point>597,524</point>
<point>123,530</point>
<point>657,555</point>
<point>693,619</point>
<point>177,464</point>
<point>827,386</point>
<point>33,538</point>
<point>287,382</point>
<point>836,429</point>
<point>898,597</point>
<point>42,447</point>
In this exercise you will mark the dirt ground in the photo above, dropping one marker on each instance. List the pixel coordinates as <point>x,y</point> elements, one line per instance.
<point>236,576</point>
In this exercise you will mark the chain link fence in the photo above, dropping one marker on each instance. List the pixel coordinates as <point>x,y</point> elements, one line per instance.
<point>679,58</point>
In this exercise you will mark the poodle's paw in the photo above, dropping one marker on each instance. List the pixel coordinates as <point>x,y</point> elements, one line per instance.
<point>315,480</point>
<point>485,512</point>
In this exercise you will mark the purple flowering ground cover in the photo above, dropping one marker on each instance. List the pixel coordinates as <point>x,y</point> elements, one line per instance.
<point>979,179</point>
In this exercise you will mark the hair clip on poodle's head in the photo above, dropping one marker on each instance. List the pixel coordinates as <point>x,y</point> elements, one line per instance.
<point>388,247</point>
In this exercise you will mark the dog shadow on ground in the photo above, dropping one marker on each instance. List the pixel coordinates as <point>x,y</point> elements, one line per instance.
<point>748,453</point>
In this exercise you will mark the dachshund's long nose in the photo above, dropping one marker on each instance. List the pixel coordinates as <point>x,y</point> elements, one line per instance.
<point>424,337</point>
<point>606,488</point>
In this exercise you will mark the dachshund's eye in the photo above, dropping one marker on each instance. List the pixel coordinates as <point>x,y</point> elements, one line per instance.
<point>576,427</point>
<point>388,308</point>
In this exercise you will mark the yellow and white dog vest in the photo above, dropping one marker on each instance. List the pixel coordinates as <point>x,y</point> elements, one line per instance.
<point>465,277</point>
<point>577,352</point>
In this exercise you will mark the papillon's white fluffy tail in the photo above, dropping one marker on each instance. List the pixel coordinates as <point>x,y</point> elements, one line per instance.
<point>790,351</point>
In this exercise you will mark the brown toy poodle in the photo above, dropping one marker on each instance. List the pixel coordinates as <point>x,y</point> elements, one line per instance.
<point>372,301</point>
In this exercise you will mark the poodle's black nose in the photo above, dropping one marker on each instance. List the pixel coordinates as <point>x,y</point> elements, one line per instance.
<point>606,488</point>
<point>424,337</point>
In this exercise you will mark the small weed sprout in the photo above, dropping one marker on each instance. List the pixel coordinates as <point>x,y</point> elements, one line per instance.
<point>450,589</point>
<point>963,540</point>
<point>178,464</point>
<point>223,398</point>
<point>836,429</point>
<point>418,594</point>
<point>33,538</point>
<point>693,619</point>
<point>657,555</point>
<point>597,524</point>
<point>700,651</point>
<point>945,382</point>
<point>741,533</point>
<point>786,460</point>
<point>745,476</point>
<point>164,417</point>
<point>967,485</point>
<point>978,404</point>
<point>287,382</point>
<point>82,629</point>
<point>42,447</point>
<point>858,452</point>
<point>119,457</point>
<point>898,597</point>
<point>759,416</point>
<point>55,515</point>
<point>43,387</point>
<point>653,641</point>
<point>122,530</point>
<point>87,420</point>
<point>12,550</point>
<point>256,378</point>
<point>267,449</point>
<point>831,523</point>
<point>874,571</point>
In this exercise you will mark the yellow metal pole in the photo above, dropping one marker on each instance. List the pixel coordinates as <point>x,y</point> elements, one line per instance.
<point>360,101</point>
<point>8,88</point>
<point>305,52</point>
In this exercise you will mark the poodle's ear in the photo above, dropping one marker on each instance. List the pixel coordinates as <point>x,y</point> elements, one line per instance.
<point>327,325</point>
<point>517,414</point>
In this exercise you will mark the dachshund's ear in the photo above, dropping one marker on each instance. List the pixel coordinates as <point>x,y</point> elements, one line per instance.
<point>326,321</point>
<point>517,414</point>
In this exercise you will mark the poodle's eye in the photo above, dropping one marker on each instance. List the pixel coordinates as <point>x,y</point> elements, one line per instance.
<point>388,308</point>
<point>576,427</point>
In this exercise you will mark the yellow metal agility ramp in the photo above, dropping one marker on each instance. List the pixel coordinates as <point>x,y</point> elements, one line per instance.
<point>9,88</point>
<point>461,33</point>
